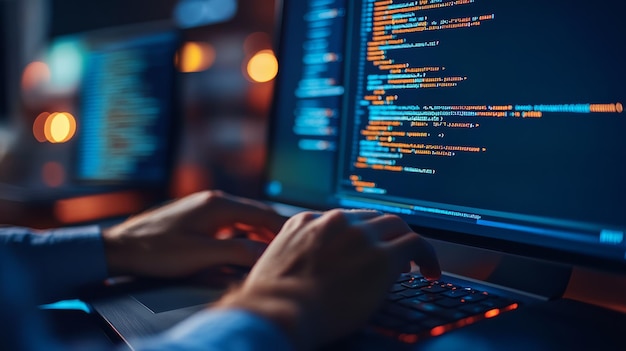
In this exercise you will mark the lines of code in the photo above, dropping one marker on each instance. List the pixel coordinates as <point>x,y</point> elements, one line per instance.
<point>320,86</point>
<point>396,128</point>
<point>126,106</point>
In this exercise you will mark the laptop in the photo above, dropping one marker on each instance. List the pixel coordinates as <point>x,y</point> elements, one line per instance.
<point>492,128</point>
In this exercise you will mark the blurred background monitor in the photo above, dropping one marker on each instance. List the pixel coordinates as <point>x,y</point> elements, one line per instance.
<point>128,107</point>
<point>225,67</point>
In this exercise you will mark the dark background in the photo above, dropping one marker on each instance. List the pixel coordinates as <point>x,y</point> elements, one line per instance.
<point>223,113</point>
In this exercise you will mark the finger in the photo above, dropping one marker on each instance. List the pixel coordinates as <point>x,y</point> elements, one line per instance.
<point>412,246</point>
<point>337,221</point>
<point>241,252</point>
<point>386,227</point>
<point>227,209</point>
<point>340,216</point>
<point>362,215</point>
<point>301,219</point>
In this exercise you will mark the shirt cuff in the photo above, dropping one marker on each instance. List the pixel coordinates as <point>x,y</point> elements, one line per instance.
<point>224,330</point>
<point>61,260</point>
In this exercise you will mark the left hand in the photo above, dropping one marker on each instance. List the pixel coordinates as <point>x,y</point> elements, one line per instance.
<point>183,237</point>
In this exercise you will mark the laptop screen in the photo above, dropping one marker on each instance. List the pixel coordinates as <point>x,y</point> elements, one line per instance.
<point>127,106</point>
<point>495,122</point>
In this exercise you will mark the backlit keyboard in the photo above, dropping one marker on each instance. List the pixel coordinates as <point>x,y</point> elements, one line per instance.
<point>417,308</point>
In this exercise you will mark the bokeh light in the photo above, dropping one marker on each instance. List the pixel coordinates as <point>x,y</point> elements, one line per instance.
<point>46,127</point>
<point>195,13</point>
<point>65,60</point>
<point>35,74</point>
<point>58,127</point>
<point>195,57</point>
<point>53,174</point>
<point>262,67</point>
<point>39,126</point>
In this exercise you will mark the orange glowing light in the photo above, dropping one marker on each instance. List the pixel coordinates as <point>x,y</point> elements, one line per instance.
<point>39,126</point>
<point>46,127</point>
<point>262,67</point>
<point>492,313</point>
<point>35,73</point>
<point>408,338</point>
<point>53,174</point>
<point>436,331</point>
<point>511,307</point>
<point>99,206</point>
<point>59,127</point>
<point>195,57</point>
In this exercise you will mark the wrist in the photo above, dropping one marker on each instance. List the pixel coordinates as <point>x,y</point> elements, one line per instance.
<point>114,252</point>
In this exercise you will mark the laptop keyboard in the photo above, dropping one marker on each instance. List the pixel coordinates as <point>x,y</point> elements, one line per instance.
<point>417,308</point>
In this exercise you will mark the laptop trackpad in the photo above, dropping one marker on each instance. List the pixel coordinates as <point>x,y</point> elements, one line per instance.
<point>176,297</point>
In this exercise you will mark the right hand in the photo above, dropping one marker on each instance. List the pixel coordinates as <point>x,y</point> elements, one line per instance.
<point>325,274</point>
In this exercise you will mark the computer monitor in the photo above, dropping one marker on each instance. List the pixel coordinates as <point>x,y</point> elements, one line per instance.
<point>128,104</point>
<point>492,123</point>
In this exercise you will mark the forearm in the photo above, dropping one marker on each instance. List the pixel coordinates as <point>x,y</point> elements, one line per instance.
<point>59,262</point>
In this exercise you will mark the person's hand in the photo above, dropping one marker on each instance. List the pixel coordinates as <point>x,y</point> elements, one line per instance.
<point>325,274</point>
<point>191,234</point>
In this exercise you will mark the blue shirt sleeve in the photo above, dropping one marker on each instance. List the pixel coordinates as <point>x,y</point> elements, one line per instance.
<point>220,330</point>
<point>59,261</point>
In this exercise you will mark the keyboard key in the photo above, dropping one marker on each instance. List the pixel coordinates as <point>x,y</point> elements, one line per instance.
<point>405,277</point>
<point>410,303</point>
<point>455,293</point>
<point>428,297</point>
<point>474,309</point>
<point>448,315</point>
<point>496,302</point>
<point>415,305</point>
<point>449,303</point>
<point>411,293</point>
<point>452,315</point>
<point>434,289</point>
<point>428,308</point>
<point>476,297</point>
<point>404,313</point>
<point>416,283</point>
